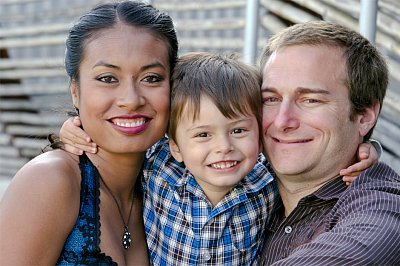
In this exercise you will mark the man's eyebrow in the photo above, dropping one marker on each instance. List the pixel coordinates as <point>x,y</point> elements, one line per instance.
<point>268,89</point>
<point>299,90</point>
<point>303,90</point>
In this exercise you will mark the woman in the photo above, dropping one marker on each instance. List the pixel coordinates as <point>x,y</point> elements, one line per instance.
<point>61,208</point>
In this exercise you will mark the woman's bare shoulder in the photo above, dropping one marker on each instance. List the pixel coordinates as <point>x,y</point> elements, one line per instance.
<point>41,203</point>
<point>54,170</point>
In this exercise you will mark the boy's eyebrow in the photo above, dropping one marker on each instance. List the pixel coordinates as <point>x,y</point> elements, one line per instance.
<point>207,126</point>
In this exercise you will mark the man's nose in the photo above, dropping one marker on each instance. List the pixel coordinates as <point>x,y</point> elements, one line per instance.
<point>287,116</point>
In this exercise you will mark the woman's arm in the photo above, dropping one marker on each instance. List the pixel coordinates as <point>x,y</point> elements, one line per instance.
<point>368,155</point>
<point>39,209</point>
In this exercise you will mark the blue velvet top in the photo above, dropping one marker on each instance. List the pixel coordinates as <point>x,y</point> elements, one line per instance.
<point>82,244</point>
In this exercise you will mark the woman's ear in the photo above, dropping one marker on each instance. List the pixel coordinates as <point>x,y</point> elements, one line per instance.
<point>75,93</point>
<point>175,151</point>
<point>368,119</point>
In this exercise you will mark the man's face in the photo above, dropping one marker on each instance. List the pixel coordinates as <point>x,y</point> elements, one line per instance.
<point>307,130</point>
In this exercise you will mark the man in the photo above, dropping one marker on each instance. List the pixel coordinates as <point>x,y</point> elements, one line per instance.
<point>323,88</point>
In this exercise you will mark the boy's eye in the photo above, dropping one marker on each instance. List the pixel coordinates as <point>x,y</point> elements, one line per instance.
<point>238,130</point>
<point>107,79</point>
<point>202,135</point>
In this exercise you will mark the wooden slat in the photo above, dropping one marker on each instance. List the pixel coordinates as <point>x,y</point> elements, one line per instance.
<point>28,73</point>
<point>31,143</point>
<point>56,62</point>
<point>198,5</point>
<point>33,41</point>
<point>5,139</point>
<point>33,89</point>
<point>9,151</point>
<point>35,30</point>
<point>212,43</point>
<point>30,130</point>
<point>31,119</point>
<point>209,24</point>
<point>8,163</point>
<point>30,153</point>
<point>288,11</point>
<point>388,134</point>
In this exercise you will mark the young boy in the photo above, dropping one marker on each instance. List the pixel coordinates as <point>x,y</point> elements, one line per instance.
<point>206,204</point>
<point>207,192</point>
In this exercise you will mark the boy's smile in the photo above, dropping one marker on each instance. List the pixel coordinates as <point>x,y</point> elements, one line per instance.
<point>217,150</point>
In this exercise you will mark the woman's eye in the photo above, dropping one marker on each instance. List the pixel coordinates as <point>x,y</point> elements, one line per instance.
<point>153,79</point>
<point>107,79</point>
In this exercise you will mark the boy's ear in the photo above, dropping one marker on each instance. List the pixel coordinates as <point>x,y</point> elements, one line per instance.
<point>74,93</point>
<point>175,151</point>
<point>368,119</point>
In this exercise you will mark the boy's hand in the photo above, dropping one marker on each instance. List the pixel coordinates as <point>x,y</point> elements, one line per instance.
<point>367,156</point>
<point>76,140</point>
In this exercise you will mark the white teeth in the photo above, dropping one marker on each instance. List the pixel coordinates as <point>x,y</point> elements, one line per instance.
<point>224,165</point>
<point>130,124</point>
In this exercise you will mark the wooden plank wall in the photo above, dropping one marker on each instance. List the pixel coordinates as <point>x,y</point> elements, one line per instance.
<point>34,94</point>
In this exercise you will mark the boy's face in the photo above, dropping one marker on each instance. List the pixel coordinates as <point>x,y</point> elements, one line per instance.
<point>218,151</point>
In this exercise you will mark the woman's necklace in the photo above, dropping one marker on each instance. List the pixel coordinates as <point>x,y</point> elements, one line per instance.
<point>126,238</point>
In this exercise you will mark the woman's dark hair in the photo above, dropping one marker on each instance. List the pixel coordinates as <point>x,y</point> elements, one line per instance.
<point>105,16</point>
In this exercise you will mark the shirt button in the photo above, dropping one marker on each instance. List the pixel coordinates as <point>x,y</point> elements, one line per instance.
<point>206,255</point>
<point>288,229</point>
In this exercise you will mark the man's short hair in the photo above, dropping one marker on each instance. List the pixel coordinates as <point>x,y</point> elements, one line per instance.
<point>367,72</point>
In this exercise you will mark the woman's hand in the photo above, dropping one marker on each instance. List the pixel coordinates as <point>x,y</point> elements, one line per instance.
<point>367,156</point>
<point>76,140</point>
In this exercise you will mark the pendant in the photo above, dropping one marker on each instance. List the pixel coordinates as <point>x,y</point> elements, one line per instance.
<point>126,239</point>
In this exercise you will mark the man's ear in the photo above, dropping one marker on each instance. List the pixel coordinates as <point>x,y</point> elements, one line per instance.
<point>368,119</point>
<point>175,151</point>
<point>75,93</point>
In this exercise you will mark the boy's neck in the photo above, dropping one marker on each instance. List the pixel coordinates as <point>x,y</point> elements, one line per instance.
<point>214,195</point>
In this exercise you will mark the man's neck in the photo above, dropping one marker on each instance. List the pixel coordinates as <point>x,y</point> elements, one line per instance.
<point>292,192</point>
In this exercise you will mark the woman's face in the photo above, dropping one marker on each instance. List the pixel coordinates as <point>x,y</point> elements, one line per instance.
<point>124,89</point>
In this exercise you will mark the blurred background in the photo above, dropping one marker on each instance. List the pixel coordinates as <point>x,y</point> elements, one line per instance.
<point>34,93</point>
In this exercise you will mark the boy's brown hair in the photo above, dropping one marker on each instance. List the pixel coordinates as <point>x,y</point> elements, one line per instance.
<point>233,86</point>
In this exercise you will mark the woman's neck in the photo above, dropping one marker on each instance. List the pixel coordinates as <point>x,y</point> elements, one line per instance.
<point>119,171</point>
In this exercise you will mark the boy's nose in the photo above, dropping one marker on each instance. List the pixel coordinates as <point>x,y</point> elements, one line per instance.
<point>224,144</point>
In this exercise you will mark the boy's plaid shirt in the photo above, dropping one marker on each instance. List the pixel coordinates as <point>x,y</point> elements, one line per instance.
<point>182,228</point>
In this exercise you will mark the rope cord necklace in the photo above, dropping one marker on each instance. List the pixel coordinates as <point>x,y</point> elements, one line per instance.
<point>126,237</point>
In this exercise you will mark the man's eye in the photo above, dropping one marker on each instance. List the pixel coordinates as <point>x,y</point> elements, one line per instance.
<point>311,101</point>
<point>107,79</point>
<point>270,100</point>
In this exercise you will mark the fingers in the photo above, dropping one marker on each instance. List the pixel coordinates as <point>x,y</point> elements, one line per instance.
<point>72,149</point>
<point>355,169</point>
<point>71,133</point>
<point>364,150</point>
<point>349,179</point>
